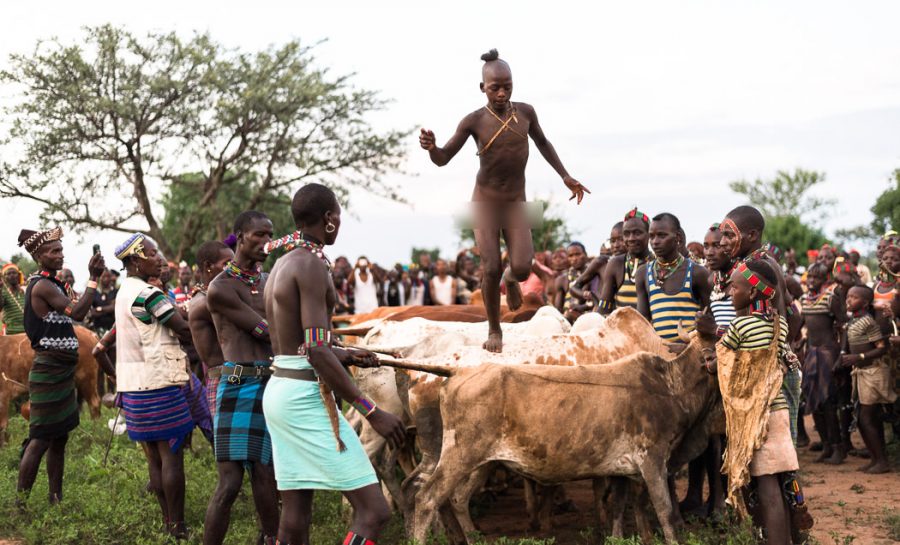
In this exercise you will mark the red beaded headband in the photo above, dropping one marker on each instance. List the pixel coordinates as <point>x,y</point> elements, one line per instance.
<point>761,285</point>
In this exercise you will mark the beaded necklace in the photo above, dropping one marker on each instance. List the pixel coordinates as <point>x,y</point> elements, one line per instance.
<point>251,278</point>
<point>199,288</point>
<point>52,276</point>
<point>664,269</point>
<point>308,243</point>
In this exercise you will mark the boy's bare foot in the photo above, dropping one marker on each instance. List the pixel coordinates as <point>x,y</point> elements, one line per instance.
<point>866,467</point>
<point>494,343</point>
<point>880,467</point>
<point>513,294</point>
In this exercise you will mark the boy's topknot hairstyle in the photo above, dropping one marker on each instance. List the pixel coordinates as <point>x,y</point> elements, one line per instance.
<point>491,55</point>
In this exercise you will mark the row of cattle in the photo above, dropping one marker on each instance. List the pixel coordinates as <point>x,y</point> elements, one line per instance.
<point>603,400</point>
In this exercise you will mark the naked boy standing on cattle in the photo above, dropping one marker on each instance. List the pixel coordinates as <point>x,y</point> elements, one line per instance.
<point>48,316</point>
<point>501,130</point>
<point>313,445</point>
<point>235,300</point>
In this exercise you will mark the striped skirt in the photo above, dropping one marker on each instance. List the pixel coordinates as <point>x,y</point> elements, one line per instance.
<point>198,401</point>
<point>240,427</point>
<point>51,387</point>
<point>158,415</point>
<point>212,390</point>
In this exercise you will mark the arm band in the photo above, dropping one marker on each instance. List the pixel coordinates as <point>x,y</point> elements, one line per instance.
<point>604,306</point>
<point>364,406</point>
<point>721,331</point>
<point>261,329</point>
<point>69,308</point>
<point>91,284</point>
<point>314,336</point>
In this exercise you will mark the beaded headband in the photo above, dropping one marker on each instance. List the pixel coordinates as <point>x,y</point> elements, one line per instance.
<point>763,287</point>
<point>38,239</point>
<point>841,266</point>
<point>133,246</point>
<point>635,213</point>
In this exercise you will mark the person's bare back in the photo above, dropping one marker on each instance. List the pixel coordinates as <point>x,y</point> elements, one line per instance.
<point>501,130</point>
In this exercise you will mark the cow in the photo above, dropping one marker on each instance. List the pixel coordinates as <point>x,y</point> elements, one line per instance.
<point>544,340</point>
<point>16,356</point>
<point>543,422</point>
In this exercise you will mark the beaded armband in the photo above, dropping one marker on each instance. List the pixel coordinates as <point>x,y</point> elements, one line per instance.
<point>364,406</point>
<point>314,336</point>
<point>261,329</point>
<point>69,308</point>
<point>721,331</point>
<point>604,306</point>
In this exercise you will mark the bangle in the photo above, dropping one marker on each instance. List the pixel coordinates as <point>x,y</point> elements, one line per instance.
<point>101,346</point>
<point>91,284</point>
<point>261,329</point>
<point>862,356</point>
<point>364,406</point>
<point>721,330</point>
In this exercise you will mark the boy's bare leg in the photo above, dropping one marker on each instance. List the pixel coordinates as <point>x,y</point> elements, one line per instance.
<point>521,254</point>
<point>488,241</point>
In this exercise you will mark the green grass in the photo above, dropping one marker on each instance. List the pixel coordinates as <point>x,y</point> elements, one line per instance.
<point>109,505</point>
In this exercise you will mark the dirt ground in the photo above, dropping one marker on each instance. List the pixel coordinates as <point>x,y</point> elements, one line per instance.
<point>848,506</point>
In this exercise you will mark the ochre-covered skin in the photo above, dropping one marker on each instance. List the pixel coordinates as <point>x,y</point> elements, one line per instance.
<point>16,357</point>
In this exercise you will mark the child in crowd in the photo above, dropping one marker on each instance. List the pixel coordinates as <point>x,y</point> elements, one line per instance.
<point>866,348</point>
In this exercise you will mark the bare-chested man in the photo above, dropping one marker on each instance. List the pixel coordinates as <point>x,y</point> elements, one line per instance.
<point>212,257</point>
<point>584,286</point>
<point>617,288</point>
<point>501,130</point>
<point>306,425</point>
<point>235,300</point>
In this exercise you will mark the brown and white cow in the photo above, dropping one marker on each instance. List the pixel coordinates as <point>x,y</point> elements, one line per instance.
<point>16,356</point>
<point>555,424</point>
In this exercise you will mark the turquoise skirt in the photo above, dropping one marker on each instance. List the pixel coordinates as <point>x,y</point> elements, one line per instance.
<point>304,449</point>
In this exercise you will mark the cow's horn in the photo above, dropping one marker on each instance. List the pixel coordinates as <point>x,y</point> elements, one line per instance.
<point>682,334</point>
<point>355,331</point>
<point>14,382</point>
<point>434,369</point>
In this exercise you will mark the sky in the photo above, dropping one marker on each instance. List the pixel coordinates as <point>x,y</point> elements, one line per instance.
<point>653,104</point>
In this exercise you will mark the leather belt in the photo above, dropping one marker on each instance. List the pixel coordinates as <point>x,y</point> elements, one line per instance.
<point>296,374</point>
<point>237,372</point>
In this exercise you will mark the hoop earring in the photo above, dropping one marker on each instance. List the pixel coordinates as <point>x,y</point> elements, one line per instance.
<point>330,228</point>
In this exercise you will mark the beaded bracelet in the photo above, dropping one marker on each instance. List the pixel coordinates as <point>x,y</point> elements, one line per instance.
<point>261,329</point>
<point>314,336</point>
<point>721,330</point>
<point>364,406</point>
<point>69,308</point>
<point>604,306</point>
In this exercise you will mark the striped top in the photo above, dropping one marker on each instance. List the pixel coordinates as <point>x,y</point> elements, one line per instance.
<point>627,294</point>
<point>754,333</point>
<point>667,310</point>
<point>12,304</point>
<point>152,303</point>
<point>863,330</point>
<point>817,304</point>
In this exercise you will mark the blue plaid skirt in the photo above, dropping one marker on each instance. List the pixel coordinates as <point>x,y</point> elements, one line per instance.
<point>239,425</point>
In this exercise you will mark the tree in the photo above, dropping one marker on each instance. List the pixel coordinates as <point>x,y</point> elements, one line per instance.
<point>790,232</point>
<point>553,232</point>
<point>786,194</point>
<point>887,207</point>
<point>108,125</point>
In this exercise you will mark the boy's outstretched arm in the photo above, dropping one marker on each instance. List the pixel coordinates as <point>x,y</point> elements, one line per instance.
<point>442,156</point>
<point>549,153</point>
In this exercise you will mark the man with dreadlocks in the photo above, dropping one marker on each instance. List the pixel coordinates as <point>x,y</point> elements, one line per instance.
<point>670,289</point>
<point>313,445</point>
<point>12,300</point>
<point>501,130</point>
<point>47,317</point>
<point>235,301</point>
<point>618,288</point>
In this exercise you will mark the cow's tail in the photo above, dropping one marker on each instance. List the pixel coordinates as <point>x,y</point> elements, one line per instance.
<point>433,368</point>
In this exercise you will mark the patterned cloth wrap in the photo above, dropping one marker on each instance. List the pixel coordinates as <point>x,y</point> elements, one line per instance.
<point>197,398</point>
<point>158,415</point>
<point>239,424</point>
<point>51,386</point>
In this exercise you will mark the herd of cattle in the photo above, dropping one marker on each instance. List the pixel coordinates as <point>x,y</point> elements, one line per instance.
<point>606,400</point>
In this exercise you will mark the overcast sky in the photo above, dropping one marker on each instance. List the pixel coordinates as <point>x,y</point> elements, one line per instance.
<point>655,104</point>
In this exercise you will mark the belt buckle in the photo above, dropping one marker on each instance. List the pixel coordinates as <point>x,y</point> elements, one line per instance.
<point>235,376</point>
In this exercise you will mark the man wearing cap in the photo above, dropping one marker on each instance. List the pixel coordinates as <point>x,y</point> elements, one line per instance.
<point>152,373</point>
<point>48,316</point>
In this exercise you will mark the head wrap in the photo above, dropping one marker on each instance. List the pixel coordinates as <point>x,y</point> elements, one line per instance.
<point>32,240</point>
<point>842,266</point>
<point>635,213</point>
<point>714,227</point>
<point>13,266</point>
<point>133,246</point>
<point>890,235</point>
<point>812,255</point>
<point>773,250</point>
<point>764,288</point>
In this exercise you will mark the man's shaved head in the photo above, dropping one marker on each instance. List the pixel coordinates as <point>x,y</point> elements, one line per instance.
<point>494,65</point>
<point>747,218</point>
